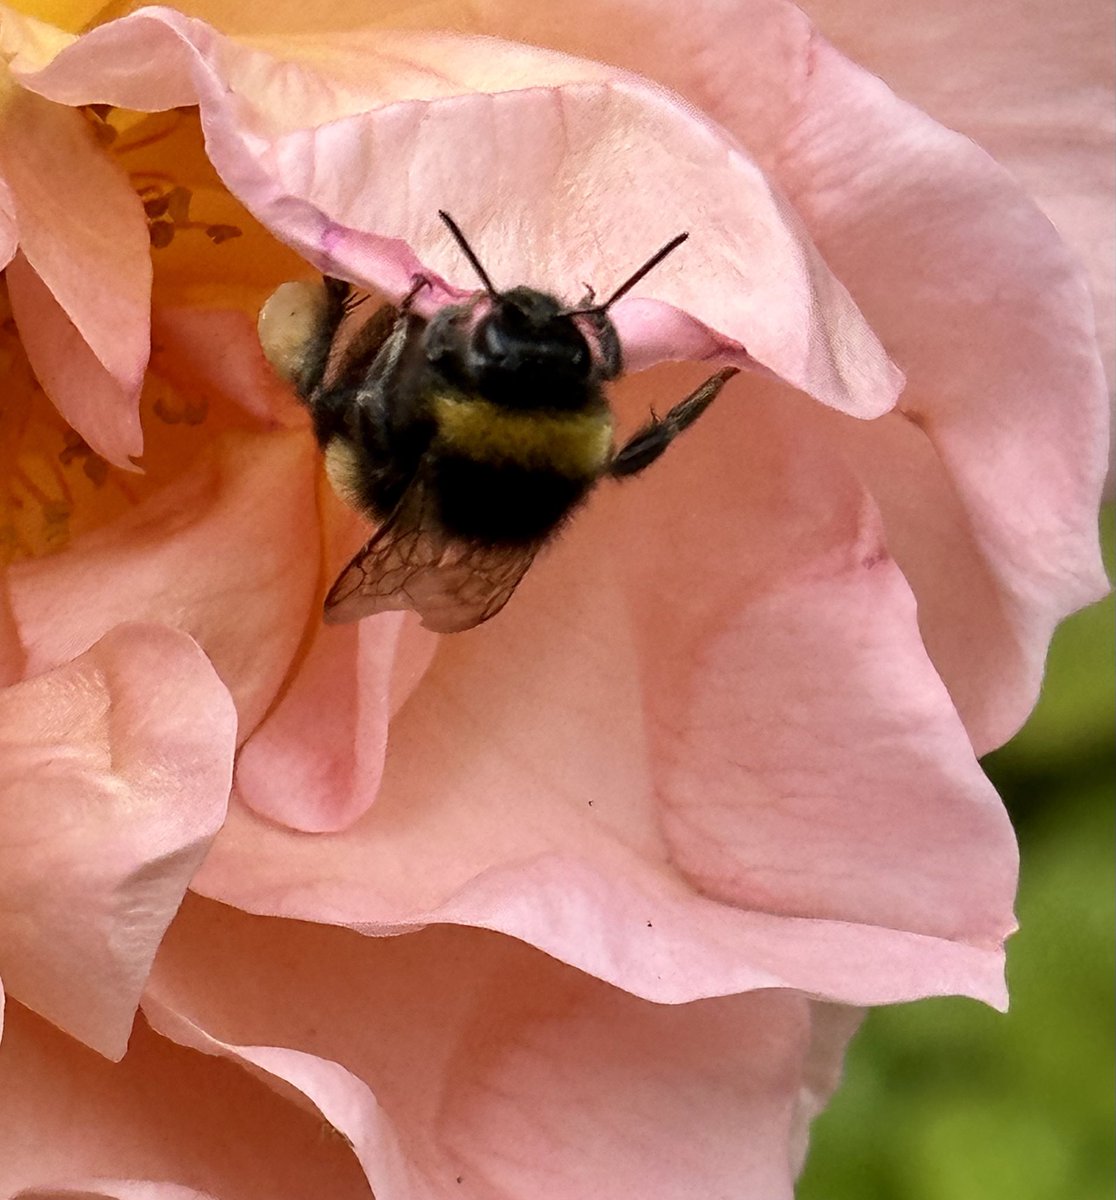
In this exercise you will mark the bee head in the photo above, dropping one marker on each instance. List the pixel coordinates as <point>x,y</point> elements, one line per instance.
<point>528,344</point>
<point>529,351</point>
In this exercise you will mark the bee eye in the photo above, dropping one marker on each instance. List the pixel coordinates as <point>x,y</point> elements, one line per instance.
<point>494,342</point>
<point>574,358</point>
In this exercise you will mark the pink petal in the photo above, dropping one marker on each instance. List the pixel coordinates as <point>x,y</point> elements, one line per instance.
<point>344,1104</point>
<point>229,553</point>
<point>746,58</point>
<point>13,661</point>
<point>316,761</point>
<point>748,276</point>
<point>1031,85</point>
<point>458,1062</point>
<point>82,231</point>
<point>289,139</point>
<point>217,352</point>
<point>162,1116</point>
<point>9,234</point>
<point>114,773</point>
<point>114,1189</point>
<point>105,413</point>
<point>990,475</point>
<point>882,866</point>
<point>799,665</point>
<point>832,1028</point>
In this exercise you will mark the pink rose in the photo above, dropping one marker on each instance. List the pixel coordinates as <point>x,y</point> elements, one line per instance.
<point>708,784</point>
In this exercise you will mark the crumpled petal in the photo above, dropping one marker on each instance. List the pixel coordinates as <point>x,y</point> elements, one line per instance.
<point>292,144</point>
<point>114,776</point>
<point>778,817</point>
<point>453,1060</point>
<point>82,232</point>
<point>229,553</point>
<point>162,1116</point>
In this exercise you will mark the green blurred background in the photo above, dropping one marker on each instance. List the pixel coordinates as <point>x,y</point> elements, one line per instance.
<point>948,1100</point>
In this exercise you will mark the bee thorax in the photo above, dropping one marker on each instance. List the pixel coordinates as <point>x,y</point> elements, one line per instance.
<point>576,445</point>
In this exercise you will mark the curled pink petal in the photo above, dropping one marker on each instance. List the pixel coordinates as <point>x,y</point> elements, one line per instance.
<point>82,233</point>
<point>88,396</point>
<point>345,1105</point>
<point>652,332</point>
<point>750,275</point>
<point>989,475</point>
<point>114,777</point>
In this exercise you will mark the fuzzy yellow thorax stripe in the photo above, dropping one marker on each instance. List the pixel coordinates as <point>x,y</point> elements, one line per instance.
<point>577,445</point>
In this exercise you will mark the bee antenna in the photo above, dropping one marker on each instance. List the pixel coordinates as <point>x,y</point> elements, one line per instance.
<point>467,250</point>
<point>632,280</point>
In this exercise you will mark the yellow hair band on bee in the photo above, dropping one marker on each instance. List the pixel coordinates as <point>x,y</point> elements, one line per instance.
<point>578,444</point>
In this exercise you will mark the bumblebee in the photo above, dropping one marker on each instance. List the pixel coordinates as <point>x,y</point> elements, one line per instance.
<point>469,438</point>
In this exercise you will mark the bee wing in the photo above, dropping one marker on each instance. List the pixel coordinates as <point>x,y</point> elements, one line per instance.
<point>410,564</point>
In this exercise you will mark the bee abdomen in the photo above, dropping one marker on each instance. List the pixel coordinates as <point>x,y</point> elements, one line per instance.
<point>501,503</point>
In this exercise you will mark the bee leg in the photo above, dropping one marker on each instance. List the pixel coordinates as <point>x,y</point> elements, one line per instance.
<point>343,297</point>
<point>418,282</point>
<point>650,441</point>
<point>337,290</point>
